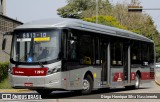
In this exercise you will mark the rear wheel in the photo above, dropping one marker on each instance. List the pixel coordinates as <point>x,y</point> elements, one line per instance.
<point>137,84</point>
<point>87,85</point>
<point>44,92</point>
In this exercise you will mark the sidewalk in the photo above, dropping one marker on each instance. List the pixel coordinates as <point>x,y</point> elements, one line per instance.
<point>157,77</point>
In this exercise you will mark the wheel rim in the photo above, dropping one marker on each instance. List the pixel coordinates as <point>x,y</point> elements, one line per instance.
<point>137,82</point>
<point>86,84</point>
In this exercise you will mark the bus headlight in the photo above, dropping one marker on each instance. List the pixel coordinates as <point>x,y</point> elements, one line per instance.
<point>10,70</point>
<point>53,70</point>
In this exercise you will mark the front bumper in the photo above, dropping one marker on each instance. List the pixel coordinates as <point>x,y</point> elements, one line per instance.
<point>52,81</point>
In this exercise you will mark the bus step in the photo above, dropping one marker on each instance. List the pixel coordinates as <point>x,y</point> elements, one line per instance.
<point>104,85</point>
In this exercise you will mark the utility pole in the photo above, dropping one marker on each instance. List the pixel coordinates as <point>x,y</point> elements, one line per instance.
<point>97,11</point>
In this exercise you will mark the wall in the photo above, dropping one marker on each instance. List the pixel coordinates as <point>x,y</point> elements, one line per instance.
<point>6,24</point>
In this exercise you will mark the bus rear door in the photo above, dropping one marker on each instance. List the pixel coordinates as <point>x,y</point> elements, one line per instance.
<point>105,74</point>
<point>127,69</point>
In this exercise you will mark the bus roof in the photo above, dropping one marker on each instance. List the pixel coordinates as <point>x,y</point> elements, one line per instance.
<point>82,25</point>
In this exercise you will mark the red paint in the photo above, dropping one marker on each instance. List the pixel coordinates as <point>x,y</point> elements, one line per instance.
<point>29,71</point>
<point>133,75</point>
<point>145,76</point>
<point>28,84</point>
<point>119,76</point>
<point>152,75</point>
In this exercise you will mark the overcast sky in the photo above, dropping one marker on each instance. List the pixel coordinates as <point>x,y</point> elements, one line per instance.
<point>29,10</point>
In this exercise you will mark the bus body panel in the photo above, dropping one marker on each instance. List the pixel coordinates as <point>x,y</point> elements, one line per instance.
<point>48,81</point>
<point>68,80</point>
<point>117,77</point>
<point>76,77</point>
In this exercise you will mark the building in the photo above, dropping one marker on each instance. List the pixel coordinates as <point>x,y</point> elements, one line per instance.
<point>7,24</point>
<point>3,7</point>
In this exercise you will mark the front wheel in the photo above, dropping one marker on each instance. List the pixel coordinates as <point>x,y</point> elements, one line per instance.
<point>87,85</point>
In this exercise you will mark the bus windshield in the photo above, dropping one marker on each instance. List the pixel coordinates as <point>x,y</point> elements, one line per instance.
<point>36,46</point>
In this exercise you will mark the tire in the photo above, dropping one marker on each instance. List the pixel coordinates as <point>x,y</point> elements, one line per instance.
<point>87,85</point>
<point>137,84</point>
<point>44,92</point>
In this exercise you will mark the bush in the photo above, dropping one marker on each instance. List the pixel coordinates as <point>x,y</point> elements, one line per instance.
<point>3,70</point>
<point>5,84</point>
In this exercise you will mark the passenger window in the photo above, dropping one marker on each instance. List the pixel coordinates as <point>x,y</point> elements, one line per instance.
<point>80,48</point>
<point>116,53</point>
<point>86,49</point>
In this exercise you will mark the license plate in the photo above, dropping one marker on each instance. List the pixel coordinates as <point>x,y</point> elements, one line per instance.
<point>28,84</point>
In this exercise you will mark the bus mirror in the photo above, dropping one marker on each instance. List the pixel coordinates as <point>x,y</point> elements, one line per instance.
<point>72,42</point>
<point>4,44</point>
<point>145,63</point>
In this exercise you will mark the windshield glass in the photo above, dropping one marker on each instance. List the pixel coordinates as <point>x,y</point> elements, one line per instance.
<point>36,46</point>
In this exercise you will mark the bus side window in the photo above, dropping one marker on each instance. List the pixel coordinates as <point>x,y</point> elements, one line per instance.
<point>136,52</point>
<point>86,49</point>
<point>117,53</point>
<point>151,53</point>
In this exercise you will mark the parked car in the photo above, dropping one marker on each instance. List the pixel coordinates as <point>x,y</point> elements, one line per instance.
<point>157,65</point>
<point>157,71</point>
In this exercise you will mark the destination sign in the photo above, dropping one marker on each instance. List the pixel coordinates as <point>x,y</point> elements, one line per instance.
<point>32,35</point>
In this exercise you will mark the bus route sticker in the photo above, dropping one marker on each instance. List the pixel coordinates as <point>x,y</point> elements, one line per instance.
<point>30,59</point>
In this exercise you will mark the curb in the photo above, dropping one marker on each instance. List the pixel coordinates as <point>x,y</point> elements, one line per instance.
<point>14,90</point>
<point>157,82</point>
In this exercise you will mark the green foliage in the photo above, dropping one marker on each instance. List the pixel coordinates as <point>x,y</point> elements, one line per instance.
<point>157,48</point>
<point>5,84</point>
<point>83,8</point>
<point>105,20</point>
<point>74,8</point>
<point>3,70</point>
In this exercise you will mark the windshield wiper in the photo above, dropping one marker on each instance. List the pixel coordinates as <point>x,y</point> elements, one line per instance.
<point>41,64</point>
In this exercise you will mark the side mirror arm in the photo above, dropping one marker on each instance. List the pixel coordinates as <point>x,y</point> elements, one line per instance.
<point>4,41</point>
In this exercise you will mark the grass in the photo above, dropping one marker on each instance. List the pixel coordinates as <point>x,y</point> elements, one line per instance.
<point>5,84</point>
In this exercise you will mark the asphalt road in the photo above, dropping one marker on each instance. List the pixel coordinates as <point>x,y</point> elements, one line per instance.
<point>95,96</point>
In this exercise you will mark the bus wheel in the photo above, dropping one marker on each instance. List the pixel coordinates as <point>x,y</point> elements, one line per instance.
<point>44,92</point>
<point>87,85</point>
<point>137,84</point>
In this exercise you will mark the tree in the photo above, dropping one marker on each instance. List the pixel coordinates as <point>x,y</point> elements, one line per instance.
<point>74,8</point>
<point>105,20</point>
<point>83,8</point>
